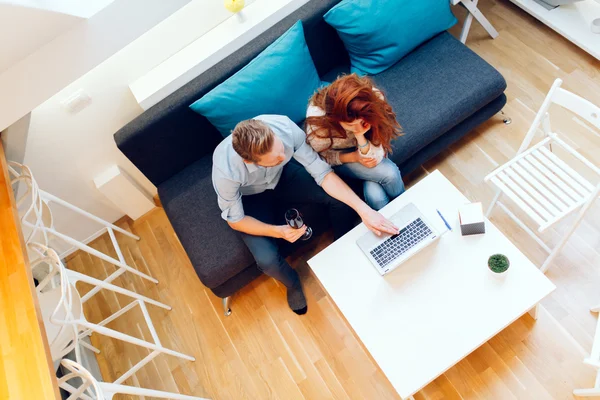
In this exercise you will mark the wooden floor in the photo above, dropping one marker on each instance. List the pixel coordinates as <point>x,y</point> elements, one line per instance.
<point>265,351</point>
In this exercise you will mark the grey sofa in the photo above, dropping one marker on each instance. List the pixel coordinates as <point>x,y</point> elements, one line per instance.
<point>440,92</point>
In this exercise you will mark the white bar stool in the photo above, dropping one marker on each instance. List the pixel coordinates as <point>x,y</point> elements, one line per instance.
<point>40,222</point>
<point>65,321</point>
<point>92,389</point>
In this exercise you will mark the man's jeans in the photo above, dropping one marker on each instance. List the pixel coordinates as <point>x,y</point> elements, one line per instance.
<point>296,186</point>
<point>382,183</point>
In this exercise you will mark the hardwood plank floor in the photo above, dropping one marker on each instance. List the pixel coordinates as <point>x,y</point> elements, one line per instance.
<point>265,351</point>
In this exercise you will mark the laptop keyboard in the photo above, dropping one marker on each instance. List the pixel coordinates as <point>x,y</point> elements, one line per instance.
<point>396,245</point>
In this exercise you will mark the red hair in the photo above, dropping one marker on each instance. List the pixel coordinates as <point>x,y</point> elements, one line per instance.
<point>347,99</point>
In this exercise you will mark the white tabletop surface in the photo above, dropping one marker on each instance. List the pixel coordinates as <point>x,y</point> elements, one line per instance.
<point>439,306</point>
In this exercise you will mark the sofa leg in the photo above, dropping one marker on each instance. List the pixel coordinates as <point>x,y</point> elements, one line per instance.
<point>226,302</point>
<point>505,118</point>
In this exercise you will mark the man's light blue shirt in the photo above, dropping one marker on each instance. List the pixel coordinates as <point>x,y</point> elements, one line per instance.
<point>233,178</point>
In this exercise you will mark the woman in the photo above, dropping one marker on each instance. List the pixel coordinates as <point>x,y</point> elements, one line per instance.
<point>351,125</point>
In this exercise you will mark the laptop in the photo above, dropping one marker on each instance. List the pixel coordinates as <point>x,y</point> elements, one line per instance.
<point>388,253</point>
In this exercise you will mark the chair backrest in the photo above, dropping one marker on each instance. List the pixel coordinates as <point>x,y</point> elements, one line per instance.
<point>570,101</point>
<point>36,252</point>
<point>578,105</point>
<point>20,173</point>
<point>38,214</point>
<point>66,340</point>
<point>88,382</point>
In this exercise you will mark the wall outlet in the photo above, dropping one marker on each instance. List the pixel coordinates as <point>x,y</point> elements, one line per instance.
<point>76,102</point>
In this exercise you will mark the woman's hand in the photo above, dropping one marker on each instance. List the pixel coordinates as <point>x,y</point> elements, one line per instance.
<point>362,127</point>
<point>367,161</point>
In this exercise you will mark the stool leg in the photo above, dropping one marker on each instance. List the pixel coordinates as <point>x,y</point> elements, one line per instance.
<point>466,28</point>
<point>493,203</point>
<point>89,347</point>
<point>226,302</point>
<point>471,5</point>
<point>568,234</point>
<point>111,388</point>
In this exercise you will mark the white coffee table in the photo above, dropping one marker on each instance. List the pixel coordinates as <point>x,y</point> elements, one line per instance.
<point>442,304</point>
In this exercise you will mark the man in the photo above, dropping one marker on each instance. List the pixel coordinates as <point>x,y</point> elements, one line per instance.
<point>252,172</point>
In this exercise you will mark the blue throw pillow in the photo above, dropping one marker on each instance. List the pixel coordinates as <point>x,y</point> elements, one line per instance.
<point>280,80</point>
<point>378,33</point>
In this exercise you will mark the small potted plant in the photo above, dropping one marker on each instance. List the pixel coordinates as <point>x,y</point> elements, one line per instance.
<point>498,263</point>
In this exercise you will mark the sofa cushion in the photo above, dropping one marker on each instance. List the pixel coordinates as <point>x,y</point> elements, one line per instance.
<point>237,282</point>
<point>280,80</point>
<point>216,251</point>
<point>434,88</point>
<point>378,33</point>
<point>336,72</point>
<point>447,139</point>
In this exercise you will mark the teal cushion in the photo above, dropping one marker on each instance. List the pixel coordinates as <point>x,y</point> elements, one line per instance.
<point>378,33</point>
<point>280,80</point>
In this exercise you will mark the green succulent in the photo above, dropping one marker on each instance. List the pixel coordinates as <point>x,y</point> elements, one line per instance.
<point>498,263</point>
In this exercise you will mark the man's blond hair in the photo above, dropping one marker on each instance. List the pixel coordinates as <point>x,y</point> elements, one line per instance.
<point>252,139</point>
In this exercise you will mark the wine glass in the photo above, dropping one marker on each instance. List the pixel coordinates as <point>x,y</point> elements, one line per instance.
<point>294,219</point>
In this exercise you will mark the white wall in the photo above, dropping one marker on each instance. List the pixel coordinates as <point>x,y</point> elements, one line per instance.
<point>209,49</point>
<point>33,80</point>
<point>14,139</point>
<point>66,151</point>
<point>81,8</point>
<point>23,30</point>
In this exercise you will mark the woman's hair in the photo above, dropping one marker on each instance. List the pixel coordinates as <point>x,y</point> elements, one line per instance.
<point>348,98</point>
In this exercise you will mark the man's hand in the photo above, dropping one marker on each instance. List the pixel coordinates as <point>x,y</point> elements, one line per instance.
<point>368,161</point>
<point>252,226</point>
<point>378,223</point>
<point>290,234</point>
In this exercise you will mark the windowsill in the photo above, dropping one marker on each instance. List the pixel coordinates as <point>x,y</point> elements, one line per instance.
<point>209,49</point>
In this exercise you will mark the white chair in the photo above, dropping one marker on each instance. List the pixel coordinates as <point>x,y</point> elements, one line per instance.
<point>39,221</point>
<point>594,362</point>
<point>65,321</point>
<point>105,391</point>
<point>540,183</point>
<point>474,13</point>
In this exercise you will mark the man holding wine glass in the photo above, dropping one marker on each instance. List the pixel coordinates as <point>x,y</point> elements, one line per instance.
<point>253,171</point>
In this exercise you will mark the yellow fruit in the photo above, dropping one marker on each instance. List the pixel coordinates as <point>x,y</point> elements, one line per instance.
<point>234,5</point>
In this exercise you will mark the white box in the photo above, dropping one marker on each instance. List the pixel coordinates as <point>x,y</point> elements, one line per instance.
<point>124,192</point>
<point>471,219</point>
